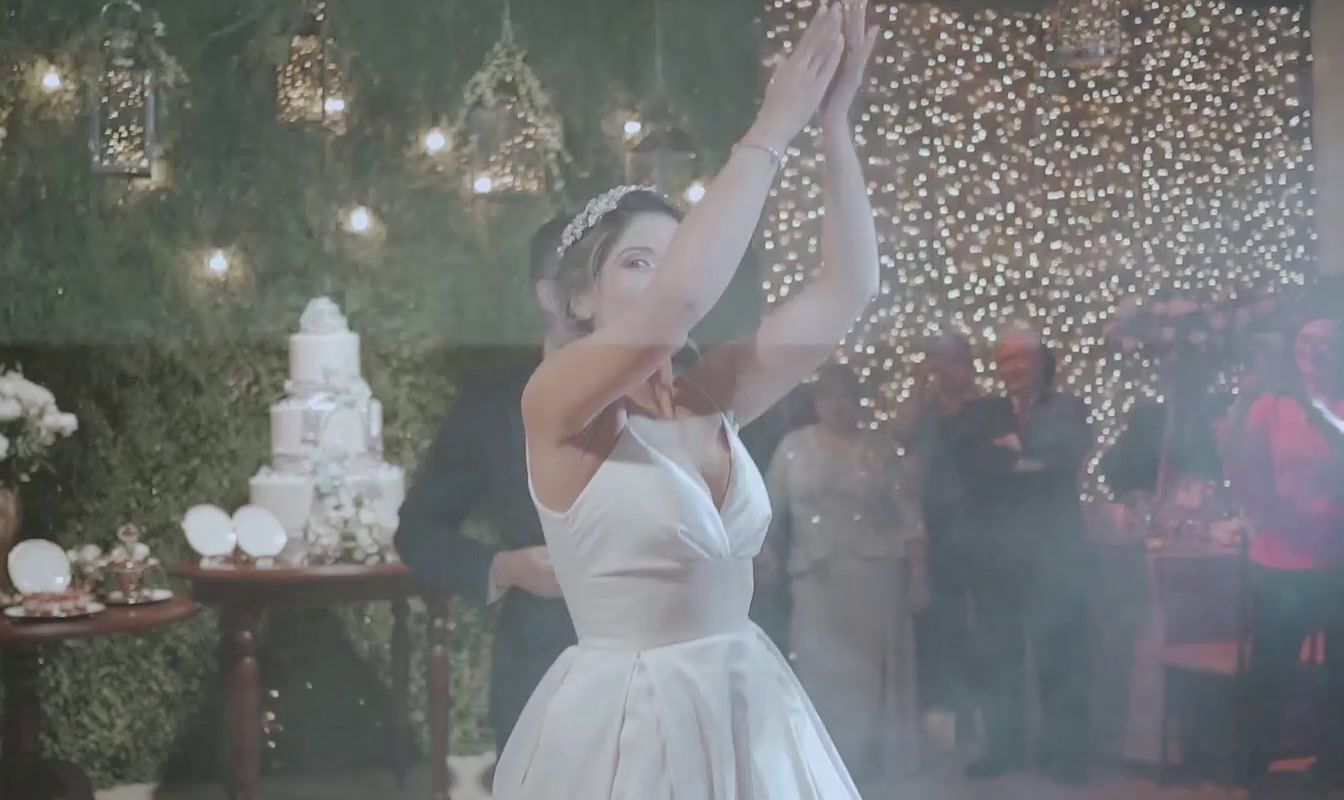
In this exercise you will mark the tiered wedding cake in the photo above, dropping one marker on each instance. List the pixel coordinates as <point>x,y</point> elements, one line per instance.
<point>327,483</point>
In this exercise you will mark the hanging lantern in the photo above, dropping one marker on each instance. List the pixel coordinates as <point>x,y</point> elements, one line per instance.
<point>8,94</point>
<point>660,151</point>
<point>310,88</point>
<point>663,154</point>
<point>1088,33</point>
<point>512,141</point>
<point>505,158</point>
<point>122,94</point>
<point>621,123</point>
<point>5,109</point>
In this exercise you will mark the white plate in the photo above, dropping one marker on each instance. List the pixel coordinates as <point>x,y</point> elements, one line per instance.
<point>39,566</point>
<point>146,597</point>
<point>18,612</point>
<point>209,531</point>
<point>260,533</point>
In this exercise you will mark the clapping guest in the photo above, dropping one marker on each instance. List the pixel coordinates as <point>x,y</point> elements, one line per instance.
<point>771,601</point>
<point>844,530</point>
<point>1286,460</point>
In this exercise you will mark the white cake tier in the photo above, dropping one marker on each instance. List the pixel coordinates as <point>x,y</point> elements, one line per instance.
<point>288,496</point>
<point>291,496</point>
<point>328,360</point>
<point>337,425</point>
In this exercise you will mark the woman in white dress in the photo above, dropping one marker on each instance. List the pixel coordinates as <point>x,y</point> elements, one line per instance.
<point>652,509</point>
<point>849,537</point>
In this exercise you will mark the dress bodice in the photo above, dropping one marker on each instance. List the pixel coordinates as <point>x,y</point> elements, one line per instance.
<point>643,555</point>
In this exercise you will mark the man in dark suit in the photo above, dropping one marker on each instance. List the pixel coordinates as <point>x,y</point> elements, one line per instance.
<point>478,461</point>
<point>1031,563</point>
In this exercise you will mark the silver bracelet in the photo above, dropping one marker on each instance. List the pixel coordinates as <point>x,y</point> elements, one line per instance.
<point>775,156</point>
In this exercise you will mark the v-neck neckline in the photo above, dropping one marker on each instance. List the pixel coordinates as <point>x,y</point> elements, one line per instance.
<point>695,477</point>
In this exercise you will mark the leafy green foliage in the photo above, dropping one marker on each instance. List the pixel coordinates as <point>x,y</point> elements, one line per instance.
<point>171,371</point>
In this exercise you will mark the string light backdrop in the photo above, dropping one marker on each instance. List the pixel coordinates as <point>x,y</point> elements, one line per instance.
<point>1010,187</point>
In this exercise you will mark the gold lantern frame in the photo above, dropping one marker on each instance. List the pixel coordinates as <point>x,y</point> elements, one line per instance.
<point>123,90</point>
<point>508,138</point>
<point>312,86</point>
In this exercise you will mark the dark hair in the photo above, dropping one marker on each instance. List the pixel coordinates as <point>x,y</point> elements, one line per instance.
<point>948,345</point>
<point>1269,364</point>
<point>543,260</point>
<point>799,407</point>
<point>838,379</point>
<point>583,260</point>
<point>1049,366</point>
<point>686,359</point>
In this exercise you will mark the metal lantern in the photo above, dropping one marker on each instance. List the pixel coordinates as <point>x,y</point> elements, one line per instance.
<point>508,138</point>
<point>4,120</point>
<point>505,154</point>
<point>1088,33</point>
<point>663,154</point>
<point>310,86</point>
<point>123,137</point>
<point>8,73</point>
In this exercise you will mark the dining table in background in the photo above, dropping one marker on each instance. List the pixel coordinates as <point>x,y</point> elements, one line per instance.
<point>24,772</point>
<point>243,594</point>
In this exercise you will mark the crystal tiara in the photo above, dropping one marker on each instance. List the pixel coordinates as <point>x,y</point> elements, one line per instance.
<point>593,213</point>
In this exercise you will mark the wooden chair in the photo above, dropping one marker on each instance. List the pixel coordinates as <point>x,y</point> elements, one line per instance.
<point>1204,602</point>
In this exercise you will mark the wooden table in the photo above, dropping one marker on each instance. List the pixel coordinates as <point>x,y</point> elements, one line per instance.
<point>244,594</point>
<point>25,773</point>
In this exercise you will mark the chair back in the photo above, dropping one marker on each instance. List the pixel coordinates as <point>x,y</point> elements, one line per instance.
<point>1201,597</point>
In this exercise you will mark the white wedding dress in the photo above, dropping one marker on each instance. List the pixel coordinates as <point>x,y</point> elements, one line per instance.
<point>671,693</point>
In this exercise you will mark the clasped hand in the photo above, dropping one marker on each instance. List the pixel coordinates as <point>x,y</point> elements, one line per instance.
<point>823,73</point>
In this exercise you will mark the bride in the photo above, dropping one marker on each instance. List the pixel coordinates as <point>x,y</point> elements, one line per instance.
<point>651,507</point>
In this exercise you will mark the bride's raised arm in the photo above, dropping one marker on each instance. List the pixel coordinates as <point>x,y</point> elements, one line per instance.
<point>630,341</point>
<point>755,372</point>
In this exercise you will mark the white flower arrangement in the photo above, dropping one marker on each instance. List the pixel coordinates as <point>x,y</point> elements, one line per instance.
<point>345,525</point>
<point>30,423</point>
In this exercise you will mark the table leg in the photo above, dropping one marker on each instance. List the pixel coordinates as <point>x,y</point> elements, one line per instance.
<point>24,773</point>
<point>22,711</point>
<point>242,703</point>
<point>399,729</point>
<point>440,699</point>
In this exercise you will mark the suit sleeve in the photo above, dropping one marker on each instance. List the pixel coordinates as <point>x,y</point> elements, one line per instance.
<point>1064,439</point>
<point>981,462</point>
<point>450,481</point>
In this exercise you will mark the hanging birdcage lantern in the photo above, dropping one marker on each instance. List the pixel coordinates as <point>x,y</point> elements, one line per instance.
<point>504,156</point>
<point>511,139</point>
<point>1088,33</point>
<point>123,135</point>
<point>310,87</point>
<point>663,154</point>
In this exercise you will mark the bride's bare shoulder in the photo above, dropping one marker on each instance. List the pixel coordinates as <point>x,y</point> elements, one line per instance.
<point>560,470</point>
